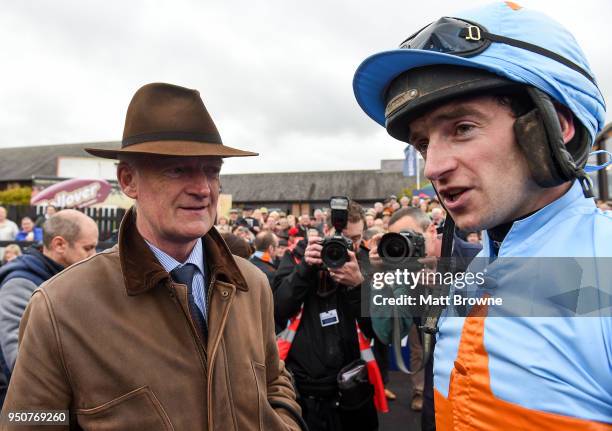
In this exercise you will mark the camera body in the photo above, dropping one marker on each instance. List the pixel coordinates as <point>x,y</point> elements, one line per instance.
<point>335,251</point>
<point>335,248</point>
<point>401,249</point>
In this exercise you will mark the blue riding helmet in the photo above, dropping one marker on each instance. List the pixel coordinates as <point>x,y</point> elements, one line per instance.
<point>497,46</point>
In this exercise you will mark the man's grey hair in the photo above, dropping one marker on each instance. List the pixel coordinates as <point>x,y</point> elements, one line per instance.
<point>414,213</point>
<point>62,225</point>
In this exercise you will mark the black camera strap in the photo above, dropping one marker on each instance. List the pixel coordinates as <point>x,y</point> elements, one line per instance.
<point>433,313</point>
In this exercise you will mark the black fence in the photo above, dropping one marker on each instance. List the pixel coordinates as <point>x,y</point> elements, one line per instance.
<point>108,219</point>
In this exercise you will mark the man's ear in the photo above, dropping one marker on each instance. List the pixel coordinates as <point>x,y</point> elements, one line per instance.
<point>126,177</point>
<point>566,121</point>
<point>58,245</point>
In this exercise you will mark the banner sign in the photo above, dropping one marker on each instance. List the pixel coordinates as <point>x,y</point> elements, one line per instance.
<point>74,193</point>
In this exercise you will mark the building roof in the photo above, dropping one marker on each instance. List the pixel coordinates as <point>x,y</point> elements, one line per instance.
<point>313,186</point>
<point>23,163</point>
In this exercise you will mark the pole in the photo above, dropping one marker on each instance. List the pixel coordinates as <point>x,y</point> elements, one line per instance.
<point>418,170</point>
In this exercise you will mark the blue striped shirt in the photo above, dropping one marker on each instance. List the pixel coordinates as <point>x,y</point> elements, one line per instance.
<point>196,257</point>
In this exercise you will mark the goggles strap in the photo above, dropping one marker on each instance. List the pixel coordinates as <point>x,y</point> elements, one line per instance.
<point>534,48</point>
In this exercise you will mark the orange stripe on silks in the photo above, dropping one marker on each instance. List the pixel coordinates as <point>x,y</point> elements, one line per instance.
<point>471,404</point>
<point>513,6</point>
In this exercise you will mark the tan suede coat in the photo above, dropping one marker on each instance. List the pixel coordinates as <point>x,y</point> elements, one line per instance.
<point>111,339</point>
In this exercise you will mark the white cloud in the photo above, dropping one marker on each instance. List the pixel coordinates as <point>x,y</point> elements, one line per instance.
<point>275,75</point>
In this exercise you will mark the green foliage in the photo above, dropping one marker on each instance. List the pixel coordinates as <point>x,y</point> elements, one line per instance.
<point>16,196</point>
<point>406,192</point>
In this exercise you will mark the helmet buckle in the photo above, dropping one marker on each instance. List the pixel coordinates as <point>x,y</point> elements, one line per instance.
<point>473,33</point>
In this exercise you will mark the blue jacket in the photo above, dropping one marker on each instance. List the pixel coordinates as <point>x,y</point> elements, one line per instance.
<point>34,267</point>
<point>38,235</point>
<point>558,365</point>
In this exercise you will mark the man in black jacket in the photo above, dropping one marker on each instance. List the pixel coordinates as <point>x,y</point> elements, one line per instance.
<point>326,339</point>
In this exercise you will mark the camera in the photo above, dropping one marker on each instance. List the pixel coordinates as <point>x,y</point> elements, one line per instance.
<point>335,248</point>
<point>401,248</point>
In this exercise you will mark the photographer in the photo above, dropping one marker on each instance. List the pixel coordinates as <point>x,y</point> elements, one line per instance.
<point>403,220</point>
<point>326,339</point>
<point>414,220</point>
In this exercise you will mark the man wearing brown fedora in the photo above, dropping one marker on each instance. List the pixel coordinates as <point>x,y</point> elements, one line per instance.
<point>167,330</point>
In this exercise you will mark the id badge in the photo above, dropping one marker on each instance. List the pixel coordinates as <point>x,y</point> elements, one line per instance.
<point>329,318</point>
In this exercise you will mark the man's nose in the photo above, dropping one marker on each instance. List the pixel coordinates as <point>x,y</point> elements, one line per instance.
<point>199,184</point>
<point>439,160</point>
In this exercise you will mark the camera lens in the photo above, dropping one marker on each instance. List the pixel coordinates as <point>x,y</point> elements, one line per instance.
<point>395,248</point>
<point>334,253</point>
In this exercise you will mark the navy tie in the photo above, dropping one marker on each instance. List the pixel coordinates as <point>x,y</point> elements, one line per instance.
<point>184,275</point>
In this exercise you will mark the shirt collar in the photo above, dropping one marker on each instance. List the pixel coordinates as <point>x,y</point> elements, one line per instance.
<point>524,228</point>
<point>169,263</point>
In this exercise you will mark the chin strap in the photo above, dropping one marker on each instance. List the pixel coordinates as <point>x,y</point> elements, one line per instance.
<point>585,183</point>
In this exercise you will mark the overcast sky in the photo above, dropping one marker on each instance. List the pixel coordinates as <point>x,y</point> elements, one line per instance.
<point>275,75</point>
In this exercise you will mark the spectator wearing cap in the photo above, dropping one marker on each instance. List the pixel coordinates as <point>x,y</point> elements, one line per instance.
<point>280,250</point>
<point>233,216</point>
<point>29,232</point>
<point>248,220</point>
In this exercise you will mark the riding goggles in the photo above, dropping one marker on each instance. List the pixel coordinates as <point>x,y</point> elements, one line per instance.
<point>466,39</point>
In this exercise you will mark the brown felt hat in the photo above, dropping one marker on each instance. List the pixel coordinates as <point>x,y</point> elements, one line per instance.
<point>169,120</point>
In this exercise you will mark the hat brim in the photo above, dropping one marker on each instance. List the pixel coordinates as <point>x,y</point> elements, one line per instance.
<point>376,72</point>
<point>173,149</point>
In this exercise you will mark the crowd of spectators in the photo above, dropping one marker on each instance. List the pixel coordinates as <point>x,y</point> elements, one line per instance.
<point>268,235</point>
<point>248,222</point>
<point>28,231</point>
<point>265,235</point>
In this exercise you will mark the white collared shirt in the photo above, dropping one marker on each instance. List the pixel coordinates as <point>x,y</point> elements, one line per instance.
<point>196,257</point>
